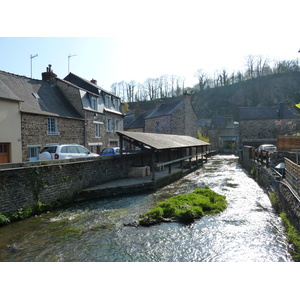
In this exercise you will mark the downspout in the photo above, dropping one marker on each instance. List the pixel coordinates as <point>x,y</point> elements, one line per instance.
<point>84,128</point>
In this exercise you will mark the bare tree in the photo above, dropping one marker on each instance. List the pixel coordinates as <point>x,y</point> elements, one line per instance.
<point>250,64</point>
<point>202,79</point>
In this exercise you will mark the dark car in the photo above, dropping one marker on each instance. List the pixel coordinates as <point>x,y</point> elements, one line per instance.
<point>110,151</point>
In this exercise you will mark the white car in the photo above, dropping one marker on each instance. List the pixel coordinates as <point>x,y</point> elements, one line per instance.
<point>64,151</point>
<point>266,147</point>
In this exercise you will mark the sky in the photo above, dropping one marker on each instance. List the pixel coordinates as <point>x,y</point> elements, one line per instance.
<point>136,40</point>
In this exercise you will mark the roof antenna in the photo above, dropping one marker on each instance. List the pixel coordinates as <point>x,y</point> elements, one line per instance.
<point>31,57</point>
<point>69,61</point>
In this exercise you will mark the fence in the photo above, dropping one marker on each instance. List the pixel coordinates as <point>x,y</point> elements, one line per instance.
<point>288,142</point>
<point>292,175</point>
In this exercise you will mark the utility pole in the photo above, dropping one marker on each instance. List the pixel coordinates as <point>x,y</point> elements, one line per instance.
<point>31,57</point>
<point>69,61</point>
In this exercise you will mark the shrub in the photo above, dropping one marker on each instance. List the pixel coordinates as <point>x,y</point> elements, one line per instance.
<point>4,219</point>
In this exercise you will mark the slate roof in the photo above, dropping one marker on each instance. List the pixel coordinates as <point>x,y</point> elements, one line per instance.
<point>259,113</point>
<point>38,97</point>
<point>165,109</point>
<point>86,84</point>
<point>163,141</point>
<point>131,121</point>
<point>218,122</point>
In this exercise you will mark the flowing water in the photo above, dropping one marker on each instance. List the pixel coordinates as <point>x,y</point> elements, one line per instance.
<point>247,231</point>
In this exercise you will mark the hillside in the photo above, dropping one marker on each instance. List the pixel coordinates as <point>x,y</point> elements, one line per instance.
<point>226,100</point>
<point>258,92</point>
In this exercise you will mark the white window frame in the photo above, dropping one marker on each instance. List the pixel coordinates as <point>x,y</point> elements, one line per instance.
<point>33,149</point>
<point>94,103</point>
<point>117,124</point>
<point>109,125</point>
<point>52,126</point>
<point>97,130</point>
<point>108,97</point>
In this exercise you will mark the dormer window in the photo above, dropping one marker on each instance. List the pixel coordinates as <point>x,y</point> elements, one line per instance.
<point>94,103</point>
<point>108,103</point>
<point>35,95</point>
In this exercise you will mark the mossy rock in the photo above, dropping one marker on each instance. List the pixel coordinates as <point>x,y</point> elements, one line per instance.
<point>185,208</point>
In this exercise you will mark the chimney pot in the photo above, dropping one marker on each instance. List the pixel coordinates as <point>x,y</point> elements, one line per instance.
<point>94,81</point>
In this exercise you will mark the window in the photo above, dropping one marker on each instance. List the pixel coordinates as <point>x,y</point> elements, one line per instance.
<point>117,125</point>
<point>157,127</point>
<point>108,103</point>
<point>97,130</point>
<point>94,103</point>
<point>109,125</point>
<point>33,153</point>
<point>52,127</point>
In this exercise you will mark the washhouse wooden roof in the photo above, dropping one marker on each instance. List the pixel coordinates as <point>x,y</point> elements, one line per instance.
<point>163,141</point>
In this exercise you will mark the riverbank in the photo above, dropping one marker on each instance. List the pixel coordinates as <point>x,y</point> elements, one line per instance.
<point>37,187</point>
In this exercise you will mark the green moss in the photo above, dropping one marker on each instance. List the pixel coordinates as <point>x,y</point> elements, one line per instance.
<point>185,208</point>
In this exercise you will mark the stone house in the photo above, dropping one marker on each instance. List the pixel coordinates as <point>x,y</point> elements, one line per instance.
<point>174,117</point>
<point>223,133</point>
<point>35,113</point>
<point>100,109</point>
<point>262,125</point>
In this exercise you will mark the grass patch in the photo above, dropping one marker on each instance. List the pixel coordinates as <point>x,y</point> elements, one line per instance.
<point>292,236</point>
<point>185,208</point>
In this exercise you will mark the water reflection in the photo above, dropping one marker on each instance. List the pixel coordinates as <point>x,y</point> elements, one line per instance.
<point>247,230</point>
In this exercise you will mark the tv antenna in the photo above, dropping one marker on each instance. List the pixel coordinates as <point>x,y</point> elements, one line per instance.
<point>31,57</point>
<point>69,61</point>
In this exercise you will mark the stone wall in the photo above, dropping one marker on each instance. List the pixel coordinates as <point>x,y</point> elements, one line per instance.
<point>55,182</point>
<point>288,199</point>
<point>256,132</point>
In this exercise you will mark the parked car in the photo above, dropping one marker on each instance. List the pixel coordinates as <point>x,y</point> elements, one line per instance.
<point>266,147</point>
<point>110,151</point>
<point>64,151</point>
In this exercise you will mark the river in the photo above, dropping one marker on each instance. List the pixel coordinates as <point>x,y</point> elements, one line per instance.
<point>247,231</point>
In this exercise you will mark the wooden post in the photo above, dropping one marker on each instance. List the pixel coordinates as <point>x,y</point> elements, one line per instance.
<point>169,160</point>
<point>121,144</point>
<point>153,165</point>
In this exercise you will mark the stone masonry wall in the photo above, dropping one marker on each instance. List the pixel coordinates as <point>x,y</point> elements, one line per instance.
<point>288,200</point>
<point>58,181</point>
<point>34,132</point>
<point>266,131</point>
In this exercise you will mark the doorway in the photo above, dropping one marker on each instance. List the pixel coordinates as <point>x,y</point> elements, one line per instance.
<point>4,153</point>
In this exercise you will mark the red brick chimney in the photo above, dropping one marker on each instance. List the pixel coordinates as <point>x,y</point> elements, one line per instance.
<point>49,76</point>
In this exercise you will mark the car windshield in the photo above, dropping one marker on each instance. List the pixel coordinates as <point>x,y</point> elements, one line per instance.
<point>270,148</point>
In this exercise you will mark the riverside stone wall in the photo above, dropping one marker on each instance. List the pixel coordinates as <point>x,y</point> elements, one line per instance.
<point>57,182</point>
